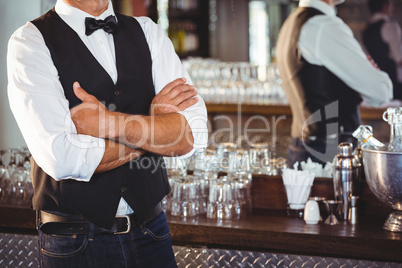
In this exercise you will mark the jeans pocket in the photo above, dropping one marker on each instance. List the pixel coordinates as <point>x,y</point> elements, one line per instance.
<point>62,246</point>
<point>158,228</point>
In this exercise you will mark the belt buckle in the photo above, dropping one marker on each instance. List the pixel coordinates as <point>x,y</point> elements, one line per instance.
<point>128,224</point>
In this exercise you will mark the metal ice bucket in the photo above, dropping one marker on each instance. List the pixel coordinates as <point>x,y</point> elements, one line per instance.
<point>383,170</point>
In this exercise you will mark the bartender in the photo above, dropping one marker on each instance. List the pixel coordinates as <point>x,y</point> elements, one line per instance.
<point>325,76</point>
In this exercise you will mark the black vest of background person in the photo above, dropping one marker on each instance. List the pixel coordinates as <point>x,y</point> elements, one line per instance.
<point>143,184</point>
<point>311,88</point>
<point>379,50</point>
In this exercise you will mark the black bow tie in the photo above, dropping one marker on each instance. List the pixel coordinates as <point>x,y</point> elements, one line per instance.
<point>109,25</point>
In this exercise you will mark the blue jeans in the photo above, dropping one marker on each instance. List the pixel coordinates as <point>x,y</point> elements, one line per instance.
<point>148,245</point>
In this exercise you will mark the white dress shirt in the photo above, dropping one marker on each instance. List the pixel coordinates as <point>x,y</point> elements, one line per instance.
<point>325,40</point>
<point>42,112</point>
<point>392,35</point>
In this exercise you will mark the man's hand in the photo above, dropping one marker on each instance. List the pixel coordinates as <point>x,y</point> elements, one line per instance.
<point>117,154</point>
<point>174,97</point>
<point>91,116</point>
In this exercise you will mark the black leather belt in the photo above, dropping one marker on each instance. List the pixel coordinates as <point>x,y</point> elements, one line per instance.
<point>50,223</point>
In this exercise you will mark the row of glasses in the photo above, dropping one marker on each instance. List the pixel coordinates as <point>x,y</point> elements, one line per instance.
<point>189,196</point>
<point>233,159</point>
<point>15,185</point>
<point>229,198</point>
<point>186,196</point>
<point>204,192</point>
<point>220,198</point>
<point>236,82</point>
<point>230,158</point>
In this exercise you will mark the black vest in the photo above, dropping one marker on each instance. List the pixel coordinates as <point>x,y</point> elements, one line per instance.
<point>142,184</point>
<point>311,88</point>
<point>379,50</point>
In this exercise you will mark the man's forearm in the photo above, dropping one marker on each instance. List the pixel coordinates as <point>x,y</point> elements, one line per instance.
<point>165,134</point>
<point>164,131</point>
<point>116,154</point>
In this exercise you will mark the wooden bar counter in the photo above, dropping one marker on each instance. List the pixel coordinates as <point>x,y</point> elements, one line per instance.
<point>269,229</point>
<point>273,231</point>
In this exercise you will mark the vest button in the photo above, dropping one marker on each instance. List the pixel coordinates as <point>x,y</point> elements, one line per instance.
<point>117,93</point>
<point>123,188</point>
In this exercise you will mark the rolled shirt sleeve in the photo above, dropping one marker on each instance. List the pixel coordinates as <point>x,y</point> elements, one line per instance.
<point>197,119</point>
<point>42,113</point>
<point>166,67</point>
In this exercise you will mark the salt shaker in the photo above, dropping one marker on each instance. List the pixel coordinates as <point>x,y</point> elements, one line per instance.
<point>346,176</point>
<point>311,212</point>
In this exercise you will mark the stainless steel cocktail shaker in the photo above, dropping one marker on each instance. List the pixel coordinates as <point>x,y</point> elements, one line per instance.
<point>346,177</point>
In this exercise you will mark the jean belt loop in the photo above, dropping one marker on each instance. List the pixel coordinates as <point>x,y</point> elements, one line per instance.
<point>38,221</point>
<point>91,231</point>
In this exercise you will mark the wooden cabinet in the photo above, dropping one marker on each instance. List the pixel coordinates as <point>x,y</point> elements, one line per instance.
<point>187,24</point>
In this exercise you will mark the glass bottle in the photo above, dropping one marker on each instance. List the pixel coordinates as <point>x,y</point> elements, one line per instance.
<point>364,134</point>
<point>393,116</point>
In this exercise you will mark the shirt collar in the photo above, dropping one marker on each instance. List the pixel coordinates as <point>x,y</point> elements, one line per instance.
<point>320,5</point>
<point>75,18</point>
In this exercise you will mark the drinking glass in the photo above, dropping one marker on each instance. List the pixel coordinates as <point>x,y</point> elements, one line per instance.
<point>167,200</point>
<point>211,160</point>
<point>4,180</point>
<point>2,166</point>
<point>204,181</point>
<point>276,165</point>
<point>185,199</point>
<point>15,185</point>
<point>17,190</point>
<point>175,166</point>
<point>242,205</point>
<point>239,162</point>
<point>220,202</point>
<point>259,158</point>
<point>201,162</point>
<point>223,153</point>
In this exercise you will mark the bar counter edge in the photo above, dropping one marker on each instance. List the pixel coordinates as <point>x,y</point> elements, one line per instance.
<point>262,231</point>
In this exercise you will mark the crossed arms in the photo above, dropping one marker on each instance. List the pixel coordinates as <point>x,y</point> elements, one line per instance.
<point>163,131</point>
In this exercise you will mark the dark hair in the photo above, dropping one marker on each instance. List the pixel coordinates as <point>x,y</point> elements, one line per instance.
<point>377,5</point>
